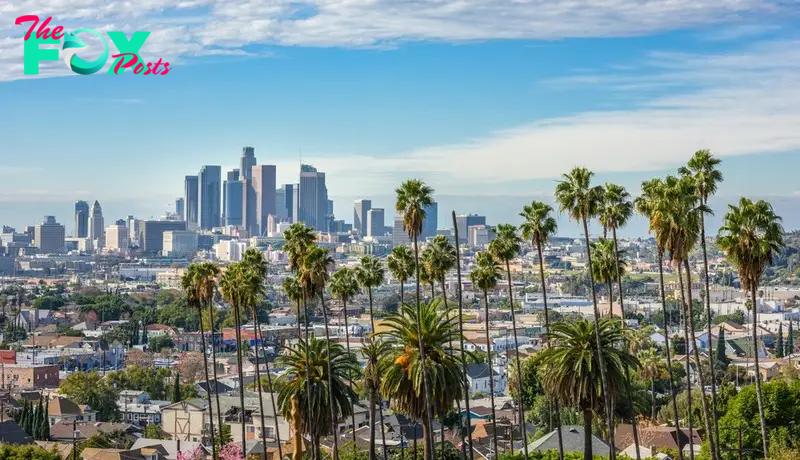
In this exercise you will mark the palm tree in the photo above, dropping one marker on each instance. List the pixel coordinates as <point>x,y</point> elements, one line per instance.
<point>403,380</point>
<point>682,212</point>
<point>207,274</point>
<point>236,286</point>
<point>401,263</point>
<point>485,276</point>
<point>254,262</point>
<point>538,226</point>
<point>330,366</point>
<point>413,197</point>
<point>345,287</point>
<point>371,274</point>
<point>702,169</point>
<point>374,351</point>
<point>573,360</point>
<point>314,276</point>
<point>648,204</point>
<point>652,370</point>
<point>190,283</point>
<point>504,248</point>
<point>750,234</point>
<point>576,196</point>
<point>294,293</point>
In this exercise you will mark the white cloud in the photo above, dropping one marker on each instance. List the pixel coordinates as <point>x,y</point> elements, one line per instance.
<point>182,28</point>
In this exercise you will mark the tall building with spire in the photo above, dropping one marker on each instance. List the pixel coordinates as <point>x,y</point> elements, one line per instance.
<point>209,196</point>
<point>97,226</point>
<point>81,219</point>
<point>247,162</point>
<point>263,185</point>
<point>313,198</point>
<point>360,212</point>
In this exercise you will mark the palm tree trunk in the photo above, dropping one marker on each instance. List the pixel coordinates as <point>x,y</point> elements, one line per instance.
<point>334,419</point>
<point>547,328</point>
<point>764,438</point>
<point>461,339</point>
<point>491,370</point>
<point>706,416</point>
<point>274,407</point>
<point>444,298</point>
<point>688,367</point>
<point>372,422</point>
<point>609,410</point>
<point>214,361</point>
<point>297,441</point>
<point>240,358</point>
<point>666,345</point>
<point>310,414</point>
<point>372,325</point>
<point>622,313</point>
<point>714,414</point>
<point>653,399</point>
<point>520,403</point>
<point>350,381</point>
<point>426,385</point>
<point>402,288</point>
<point>587,434</point>
<point>208,385</point>
<point>258,379</point>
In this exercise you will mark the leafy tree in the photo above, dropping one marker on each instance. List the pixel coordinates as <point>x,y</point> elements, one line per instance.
<point>736,317</point>
<point>779,346</point>
<point>26,452</point>
<point>178,314</point>
<point>91,389</point>
<point>162,341</point>
<point>722,358</point>
<point>48,303</point>
<point>153,381</point>
<point>789,341</point>
<point>176,389</point>
<point>154,431</point>
<point>531,385</point>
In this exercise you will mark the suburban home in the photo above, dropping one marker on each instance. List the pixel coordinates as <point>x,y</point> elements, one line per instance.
<point>143,453</point>
<point>478,378</point>
<point>170,447</point>
<point>655,438</point>
<point>159,330</point>
<point>63,431</point>
<point>573,440</point>
<point>63,410</point>
<point>137,408</point>
<point>11,433</point>
<point>185,420</point>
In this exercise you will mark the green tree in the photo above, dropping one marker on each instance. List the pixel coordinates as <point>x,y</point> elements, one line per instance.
<point>26,452</point>
<point>653,369</point>
<point>137,378</point>
<point>722,357</point>
<point>789,341</point>
<point>573,364</point>
<point>48,303</point>
<point>154,431</point>
<point>91,389</point>
<point>530,382</point>
<point>345,286</point>
<point>160,342</point>
<point>750,235</point>
<point>176,389</point>
<point>779,346</point>
<point>576,196</point>
<point>401,263</point>
<point>374,351</point>
<point>413,197</point>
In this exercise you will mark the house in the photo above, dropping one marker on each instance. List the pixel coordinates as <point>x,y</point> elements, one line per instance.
<point>170,447</point>
<point>185,420</point>
<point>216,387</point>
<point>159,330</point>
<point>11,433</point>
<point>31,319</point>
<point>137,408</point>
<point>63,410</point>
<point>656,438</point>
<point>478,379</point>
<point>64,431</point>
<point>573,440</point>
<point>63,449</point>
<point>769,369</point>
<point>143,453</point>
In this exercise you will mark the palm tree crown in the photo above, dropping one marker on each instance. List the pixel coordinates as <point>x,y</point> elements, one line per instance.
<point>539,224</point>
<point>616,207</point>
<point>401,263</point>
<point>343,284</point>
<point>486,274</point>
<point>413,196</point>
<point>577,197</point>
<point>605,263</point>
<point>506,244</point>
<point>299,239</point>
<point>702,169</point>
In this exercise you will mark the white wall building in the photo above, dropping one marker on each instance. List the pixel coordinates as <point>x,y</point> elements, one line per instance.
<point>179,243</point>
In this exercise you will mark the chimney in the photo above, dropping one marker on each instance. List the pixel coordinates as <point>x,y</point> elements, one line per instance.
<point>179,444</point>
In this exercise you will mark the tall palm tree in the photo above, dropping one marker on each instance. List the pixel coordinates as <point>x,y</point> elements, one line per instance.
<point>573,360</point>
<point>581,201</point>
<point>207,273</point>
<point>190,283</point>
<point>401,263</point>
<point>461,342</point>
<point>403,380</point>
<point>703,170</point>
<point>486,276</point>
<point>539,226</point>
<point>750,235</point>
<point>683,215</point>
<point>413,197</point>
<point>649,204</point>
<point>441,259</point>
<point>314,276</point>
<point>329,365</point>
<point>236,285</point>
<point>344,286</point>
<point>652,370</point>
<point>294,293</point>
<point>374,351</point>
<point>254,262</point>
<point>504,248</point>
<point>371,274</point>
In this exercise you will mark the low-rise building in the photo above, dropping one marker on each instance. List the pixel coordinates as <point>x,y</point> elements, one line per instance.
<point>27,376</point>
<point>63,410</point>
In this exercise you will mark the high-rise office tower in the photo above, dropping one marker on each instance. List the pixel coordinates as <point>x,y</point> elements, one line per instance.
<point>49,236</point>
<point>179,205</point>
<point>295,215</point>
<point>81,219</point>
<point>96,225</point>
<point>232,175</point>
<point>233,202</point>
<point>263,184</point>
<point>360,210</point>
<point>281,211</point>
<point>375,222</point>
<point>465,221</point>
<point>152,234</point>
<point>247,163</point>
<point>190,200</point>
<point>313,198</point>
<point>288,193</point>
<point>431,222</point>
<point>117,238</point>
<point>209,195</point>
<point>399,233</point>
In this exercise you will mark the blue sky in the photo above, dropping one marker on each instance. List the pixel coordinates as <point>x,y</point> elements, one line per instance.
<point>488,103</point>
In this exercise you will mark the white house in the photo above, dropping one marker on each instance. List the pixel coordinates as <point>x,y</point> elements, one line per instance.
<point>478,379</point>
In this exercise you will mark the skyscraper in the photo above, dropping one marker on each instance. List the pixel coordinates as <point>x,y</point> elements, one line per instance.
<point>209,194</point>
<point>263,180</point>
<point>360,210</point>
<point>375,222</point>
<point>313,198</point>
<point>247,163</point>
<point>232,175</point>
<point>97,225</point>
<point>179,205</point>
<point>117,238</point>
<point>431,222</point>
<point>233,202</point>
<point>399,233</point>
<point>190,199</point>
<point>465,221</point>
<point>81,219</point>
<point>295,215</point>
<point>289,194</point>
<point>49,236</point>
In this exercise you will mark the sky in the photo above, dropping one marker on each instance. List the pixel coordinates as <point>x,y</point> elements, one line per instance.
<point>487,101</point>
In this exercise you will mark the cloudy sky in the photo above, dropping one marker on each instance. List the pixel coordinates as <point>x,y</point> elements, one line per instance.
<point>488,101</point>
